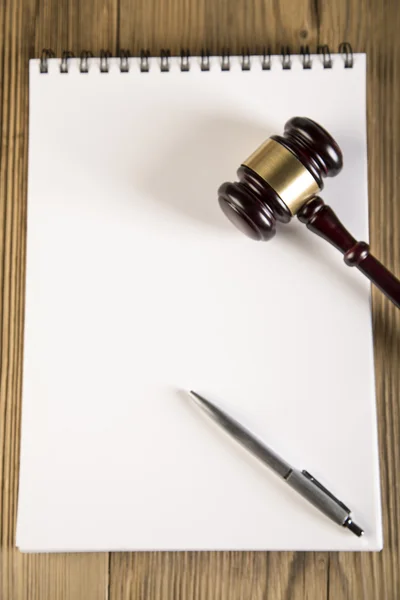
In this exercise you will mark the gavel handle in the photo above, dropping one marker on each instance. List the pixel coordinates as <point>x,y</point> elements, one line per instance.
<point>321,220</point>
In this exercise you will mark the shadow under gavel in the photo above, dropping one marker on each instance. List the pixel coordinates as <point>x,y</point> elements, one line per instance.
<point>281,179</point>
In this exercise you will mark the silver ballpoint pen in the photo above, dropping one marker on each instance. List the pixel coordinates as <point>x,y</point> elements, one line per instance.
<point>304,483</point>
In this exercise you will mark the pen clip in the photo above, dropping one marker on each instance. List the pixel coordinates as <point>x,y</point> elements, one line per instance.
<point>323,488</point>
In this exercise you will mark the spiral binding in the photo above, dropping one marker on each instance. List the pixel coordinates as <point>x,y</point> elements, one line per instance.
<point>286,58</point>
<point>104,56</point>
<point>225,60</point>
<point>345,50</point>
<point>266,59</point>
<point>326,56</point>
<point>124,57</point>
<point>84,64</point>
<point>306,57</point>
<point>205,60</point>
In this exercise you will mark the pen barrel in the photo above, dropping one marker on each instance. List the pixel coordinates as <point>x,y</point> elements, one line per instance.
<point>317,497</point>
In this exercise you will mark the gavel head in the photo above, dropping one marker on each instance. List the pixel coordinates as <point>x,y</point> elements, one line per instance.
<point>282,175</point>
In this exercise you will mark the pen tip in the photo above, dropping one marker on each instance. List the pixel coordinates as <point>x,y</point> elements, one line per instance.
<point>354,527</point>
<point>199,399</point>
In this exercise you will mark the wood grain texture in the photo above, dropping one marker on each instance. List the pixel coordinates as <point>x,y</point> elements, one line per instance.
<point>378,575</point>
<point>26,26</point>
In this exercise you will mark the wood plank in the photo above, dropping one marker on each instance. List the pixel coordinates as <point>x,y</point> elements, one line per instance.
<point>222,575</point>
<point>372,27</point>
<point>259,24</point>
<point>27,26</point>
<point>217,25</point>
<point>73,25</point>
<point>172,24</point>
<point>218,575</point>
<point>343,575</point>
<point>345,21</point>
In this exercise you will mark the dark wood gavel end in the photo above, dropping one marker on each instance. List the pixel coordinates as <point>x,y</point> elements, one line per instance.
<point>282,178</point>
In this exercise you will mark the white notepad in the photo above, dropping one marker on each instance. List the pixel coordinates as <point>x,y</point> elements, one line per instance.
<point>138,287</point>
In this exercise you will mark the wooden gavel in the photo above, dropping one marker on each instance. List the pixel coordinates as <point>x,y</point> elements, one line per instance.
<point>281,179</point>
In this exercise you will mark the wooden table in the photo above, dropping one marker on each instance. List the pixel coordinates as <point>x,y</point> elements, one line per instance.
<point>26,27</point>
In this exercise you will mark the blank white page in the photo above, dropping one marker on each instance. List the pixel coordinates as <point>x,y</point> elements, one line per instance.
<point>138,287</point>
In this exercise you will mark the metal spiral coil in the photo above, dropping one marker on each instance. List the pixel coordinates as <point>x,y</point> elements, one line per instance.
<point>286,58</point>
<point>306,57</point>
<point>165,56</point>
<point>124,61</point>
<point>246,59</point>
<point>347,52</point>
<point>205,60</point>
<point>225,60</point>
<point>326,56</point>
<point>44,59</point>
<point>84,61</point>
<point>266,59</point>
<point>185,63</point>
<point>246,62</point>
<point>144,61</point>
<point>104,56</point>
<point>64,61</point>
